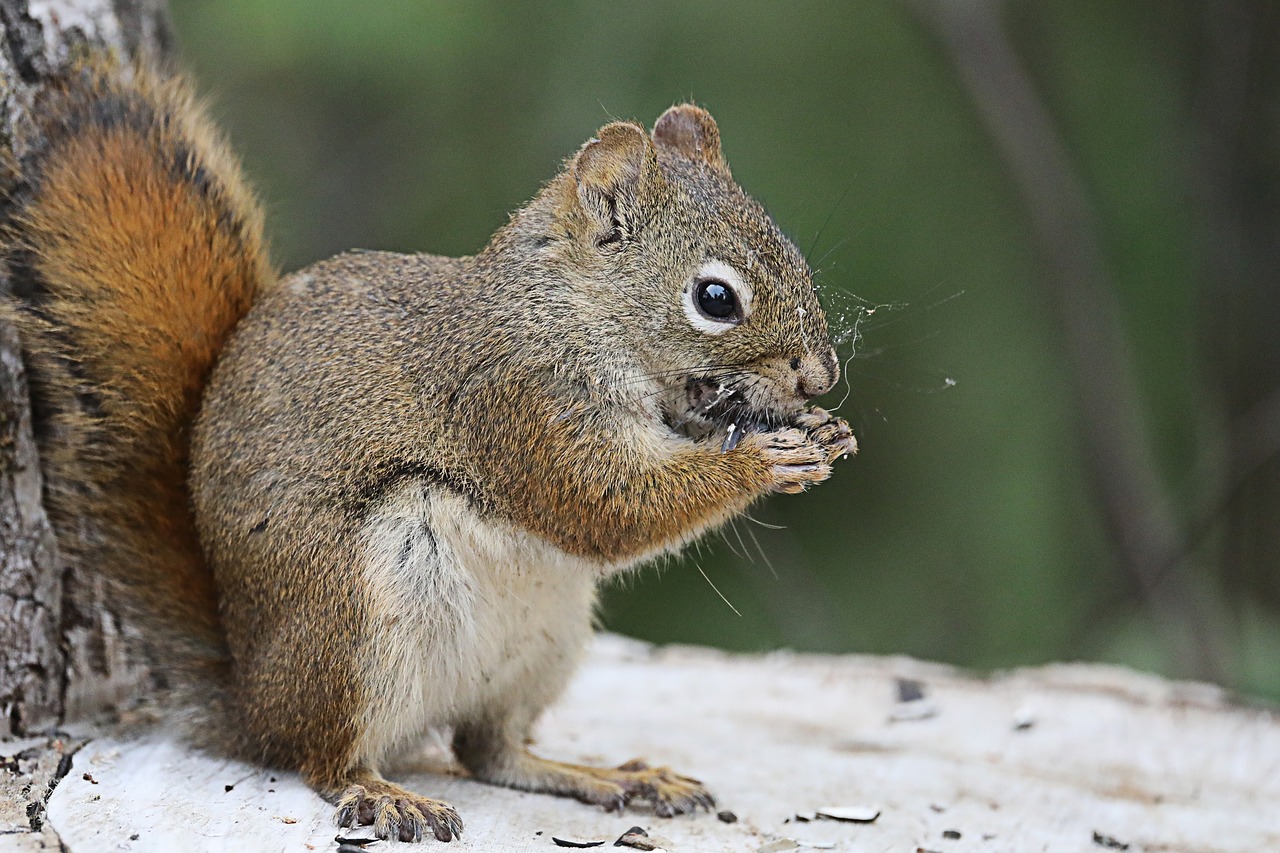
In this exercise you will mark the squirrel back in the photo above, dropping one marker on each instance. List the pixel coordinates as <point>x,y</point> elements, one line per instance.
<point>133,248</point>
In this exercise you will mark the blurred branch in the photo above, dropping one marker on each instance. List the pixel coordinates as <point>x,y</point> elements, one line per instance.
<point>1235,92</point>
<point>1254,442</point>
<point>1077,286</point>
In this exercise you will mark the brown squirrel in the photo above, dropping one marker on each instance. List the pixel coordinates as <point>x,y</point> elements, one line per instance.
<point>376,496</point>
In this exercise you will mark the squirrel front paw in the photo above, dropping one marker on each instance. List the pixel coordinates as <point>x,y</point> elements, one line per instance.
<point>793,458</point>
<point>830,431</point>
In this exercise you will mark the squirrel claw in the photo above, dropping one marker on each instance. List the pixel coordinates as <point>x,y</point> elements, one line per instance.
<point>405,817</point>
<point>830,431</point>
<point>669,792</point>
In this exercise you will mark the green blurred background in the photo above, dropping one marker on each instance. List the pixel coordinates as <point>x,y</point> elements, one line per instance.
<point>977,525</point>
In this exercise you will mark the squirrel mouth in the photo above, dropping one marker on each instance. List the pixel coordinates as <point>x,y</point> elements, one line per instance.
<point>714,405</point>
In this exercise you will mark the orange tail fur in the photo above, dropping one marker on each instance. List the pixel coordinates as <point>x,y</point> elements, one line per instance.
<point>133,248</point>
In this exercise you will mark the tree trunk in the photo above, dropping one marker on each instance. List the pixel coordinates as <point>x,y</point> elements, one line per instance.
<point>66,656</point>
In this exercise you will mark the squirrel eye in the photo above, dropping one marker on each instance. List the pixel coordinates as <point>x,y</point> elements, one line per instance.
<point>717,301</point>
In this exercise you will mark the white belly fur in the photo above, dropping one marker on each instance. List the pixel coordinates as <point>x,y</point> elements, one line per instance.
<point>473,619</point>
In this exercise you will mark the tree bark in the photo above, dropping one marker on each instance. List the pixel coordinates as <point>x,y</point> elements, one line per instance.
<point>66,654</point>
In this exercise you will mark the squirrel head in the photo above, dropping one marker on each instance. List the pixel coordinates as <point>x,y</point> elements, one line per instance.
<point>690,276</point>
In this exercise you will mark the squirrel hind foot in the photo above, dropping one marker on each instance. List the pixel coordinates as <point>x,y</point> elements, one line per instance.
<point>396,813</point>
<point>669,792</point>
<point>612,788</point>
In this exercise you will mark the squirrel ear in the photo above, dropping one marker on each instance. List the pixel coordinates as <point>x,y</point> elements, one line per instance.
<point>692,133</point>
<point>608,172</point>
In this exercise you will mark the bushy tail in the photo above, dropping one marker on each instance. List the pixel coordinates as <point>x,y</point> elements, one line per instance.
<point>133,248</point>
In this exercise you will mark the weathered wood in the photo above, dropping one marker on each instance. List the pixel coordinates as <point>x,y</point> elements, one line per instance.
<point>29,771</point>
<point>1035,760</point>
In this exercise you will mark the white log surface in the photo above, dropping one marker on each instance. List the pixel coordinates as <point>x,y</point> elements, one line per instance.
<point>1056,758</point>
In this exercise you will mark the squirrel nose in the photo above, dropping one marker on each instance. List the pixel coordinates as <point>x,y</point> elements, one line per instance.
<point>815,374</point>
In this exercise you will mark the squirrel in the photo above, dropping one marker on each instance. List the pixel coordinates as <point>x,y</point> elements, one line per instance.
<point>374,497</point>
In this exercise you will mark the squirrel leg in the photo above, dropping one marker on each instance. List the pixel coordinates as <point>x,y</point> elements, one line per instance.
<point>495,757</point>
<point>363,798</point>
